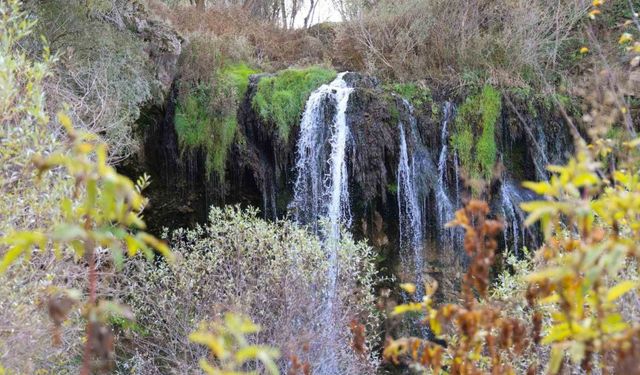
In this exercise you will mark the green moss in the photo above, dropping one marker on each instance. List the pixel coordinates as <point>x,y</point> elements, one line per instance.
<point>392,106</point>
<point>281,98</point>
<point>206,116</point>
<point>474,134</point>
<point>237,76</point>
<point>417,95</point>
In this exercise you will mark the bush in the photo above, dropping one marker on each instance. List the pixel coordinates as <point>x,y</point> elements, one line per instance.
<point>238,263</point>
<point>272,47</point>
<point>40,220</point>
<point>281,98</point>
<point>25,131</point>
<point>474,134</point>
<point>106,83</point>
<point>443,39</point>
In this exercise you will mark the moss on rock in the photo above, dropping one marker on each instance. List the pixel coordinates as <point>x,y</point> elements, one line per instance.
<point>474,134</point>
<point>417,95</point>
<point>281,98</point>
<point>206,116</point>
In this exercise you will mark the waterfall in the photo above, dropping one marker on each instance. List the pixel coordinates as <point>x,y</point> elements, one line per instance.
<point>515,233</point>
<point>410,212</point>
<point>450,238</point>
<point>540,159</point>
<point>321,189</point>
<point>321,196</point>
<point>269,200</point>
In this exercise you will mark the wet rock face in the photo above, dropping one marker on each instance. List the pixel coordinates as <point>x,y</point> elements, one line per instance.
<point>261,165</point>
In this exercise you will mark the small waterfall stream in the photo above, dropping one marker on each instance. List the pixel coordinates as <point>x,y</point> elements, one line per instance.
<point>321,194</point>
<point>450,238</point>
<point>411,230</point>
<point>516,235</point>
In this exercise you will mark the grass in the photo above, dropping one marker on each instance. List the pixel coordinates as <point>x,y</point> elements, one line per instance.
<point>280,99</point>
<point>206,117</point>
<point>474,135</point>
<point>237,76</point>
<point>417,95</point>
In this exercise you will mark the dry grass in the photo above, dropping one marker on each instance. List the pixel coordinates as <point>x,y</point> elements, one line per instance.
<point>273,48</point>
<point>452,40</point>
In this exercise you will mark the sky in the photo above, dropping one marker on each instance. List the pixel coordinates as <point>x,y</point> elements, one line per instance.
<point>325,12</point>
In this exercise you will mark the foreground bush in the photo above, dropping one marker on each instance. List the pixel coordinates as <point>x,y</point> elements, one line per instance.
<point>239,263</point>
<point>25,130</point>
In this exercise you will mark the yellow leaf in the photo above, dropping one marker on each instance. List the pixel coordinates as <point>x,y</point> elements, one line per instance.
<point>84,148</point>
<point>65,121</point>
<point>10,257</point>
<point>620,290</point>
<point>558,332</point>
<point>408,287</point>
<point>405,308</point>
<point>585,179</point>
<point>584,50</point>
<point>625,38</point>
<point>211,341</point>
<point>541,188</point>
<point>554,298</point>
<point>207,368</point>
<point>552,273</point>
<point>436,327</point>
<point>557,355</point>
<point>160,246</point>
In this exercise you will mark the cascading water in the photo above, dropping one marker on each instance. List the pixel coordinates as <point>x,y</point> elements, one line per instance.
<point>516,235</point>
<point>450,238</point>
<point>321,195</point>
<point>410,212</point>
<point>540,159</point>
<point>321,192</point>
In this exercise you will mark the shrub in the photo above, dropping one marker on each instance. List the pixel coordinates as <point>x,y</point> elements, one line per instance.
<point>80,204</point>
<point>281,98</point>
<point>105,84</point>
<point>272,47</point>
<point>271,272</point>
<point>474,134</point>
<point>229,346</point>
<point>25,130</point>
<point>443,39</point>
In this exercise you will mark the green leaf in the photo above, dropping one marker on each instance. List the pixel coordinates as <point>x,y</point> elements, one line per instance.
<point>68,232</point>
